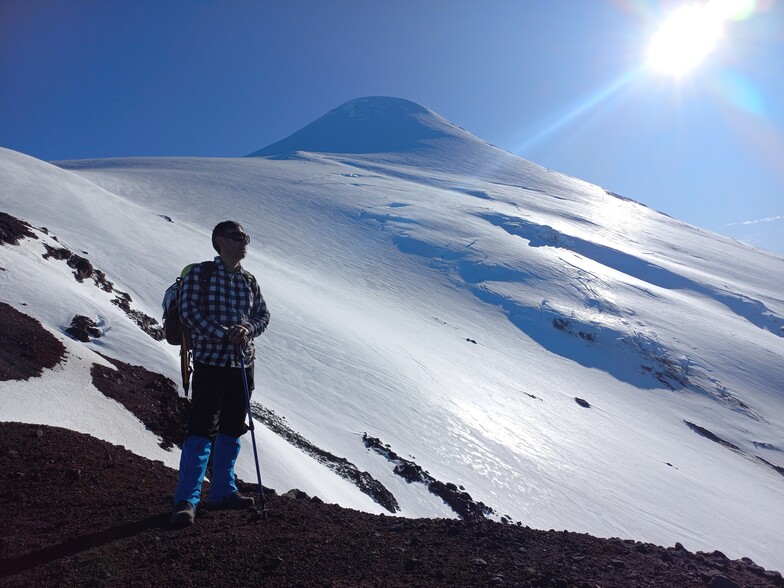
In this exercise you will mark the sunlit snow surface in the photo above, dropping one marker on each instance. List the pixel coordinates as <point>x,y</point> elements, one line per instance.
<point>452,300</point>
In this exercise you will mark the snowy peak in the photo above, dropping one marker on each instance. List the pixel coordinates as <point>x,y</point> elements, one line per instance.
<point>374,124</point>
<point>380,130</point>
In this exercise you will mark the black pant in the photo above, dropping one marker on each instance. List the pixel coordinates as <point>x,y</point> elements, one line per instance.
<point>218,401</point>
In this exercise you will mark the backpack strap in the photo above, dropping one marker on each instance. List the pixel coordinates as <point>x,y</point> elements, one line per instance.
<point>186,355</point>
<point>207,269</point>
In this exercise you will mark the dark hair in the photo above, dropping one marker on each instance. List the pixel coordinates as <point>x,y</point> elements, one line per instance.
<point>222,229</point>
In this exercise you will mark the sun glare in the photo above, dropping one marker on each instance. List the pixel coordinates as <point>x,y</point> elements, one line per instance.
<point>690,33</point>
<point>685,39</point>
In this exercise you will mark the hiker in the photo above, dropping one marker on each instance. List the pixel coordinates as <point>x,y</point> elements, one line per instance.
<point>222,321</point>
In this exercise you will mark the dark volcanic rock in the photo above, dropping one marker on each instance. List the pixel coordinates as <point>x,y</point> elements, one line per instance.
<point>58,253</point>
<point>144,321</point>
<point>12,230</point>
<point>296,494</point>
<point>457,499</point>
<point>83,269</point>
<point>153,398</point>
<point>710,435</point>
<point>83,329</point>
<point>340,465</point>
<point>26,348</point>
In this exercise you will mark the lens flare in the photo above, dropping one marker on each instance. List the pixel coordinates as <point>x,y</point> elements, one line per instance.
<point>733,9</point>
<point>739,91</point>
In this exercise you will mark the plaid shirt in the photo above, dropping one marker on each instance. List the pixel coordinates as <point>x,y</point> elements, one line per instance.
<point>230,299</point>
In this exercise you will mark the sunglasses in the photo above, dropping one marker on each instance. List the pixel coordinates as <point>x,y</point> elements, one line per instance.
<point>238,237</point>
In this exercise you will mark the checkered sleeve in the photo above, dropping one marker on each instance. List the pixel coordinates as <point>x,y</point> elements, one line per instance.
<point>259,315</point>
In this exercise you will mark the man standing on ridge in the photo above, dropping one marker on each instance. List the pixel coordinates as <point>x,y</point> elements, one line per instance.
<point>222,314</point>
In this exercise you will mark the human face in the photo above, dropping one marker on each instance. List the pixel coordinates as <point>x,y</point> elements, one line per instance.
<point>234,243</point>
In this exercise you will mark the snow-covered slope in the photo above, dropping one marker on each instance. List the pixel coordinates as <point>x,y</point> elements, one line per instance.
<point>452,300</point>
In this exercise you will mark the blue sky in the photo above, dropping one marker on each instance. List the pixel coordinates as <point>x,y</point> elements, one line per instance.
<point>562,83</point>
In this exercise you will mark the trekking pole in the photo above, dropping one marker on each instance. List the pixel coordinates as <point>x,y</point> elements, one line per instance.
<point>252,428</point>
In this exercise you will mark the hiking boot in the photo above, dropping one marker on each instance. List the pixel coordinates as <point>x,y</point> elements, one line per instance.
<point>234,501</point>
<point>183,514</point>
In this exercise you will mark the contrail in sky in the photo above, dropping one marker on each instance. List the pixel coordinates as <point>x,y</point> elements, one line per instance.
<point>754,222</point>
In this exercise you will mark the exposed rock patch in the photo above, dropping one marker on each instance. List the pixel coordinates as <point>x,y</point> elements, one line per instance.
<point>153,398</point>
<point>13,230</point>
<point>58,253</point>
<point>144,321</point>
<point>84,270</point>
<point>297,494</point>
<point>456,498</point>
<point>341,466</point>
<point>26,348</point>
<point>566,324</point>
<point>703,432</point>
<point>779,469</point>
<point>83,329</point>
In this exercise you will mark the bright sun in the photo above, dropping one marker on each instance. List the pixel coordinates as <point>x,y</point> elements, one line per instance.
<point>685,39</point>
<point>690,33</point>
